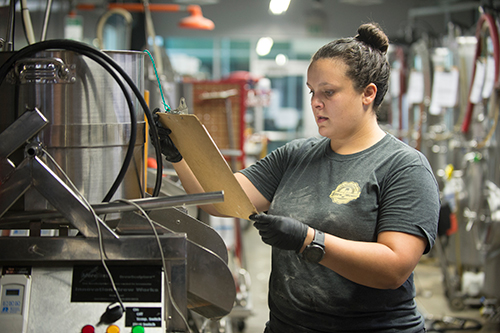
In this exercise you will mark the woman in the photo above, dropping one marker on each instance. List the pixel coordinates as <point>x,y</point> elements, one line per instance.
<point>369,202</point>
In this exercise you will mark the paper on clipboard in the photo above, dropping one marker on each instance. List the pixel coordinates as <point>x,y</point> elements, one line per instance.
<point>207,163</point>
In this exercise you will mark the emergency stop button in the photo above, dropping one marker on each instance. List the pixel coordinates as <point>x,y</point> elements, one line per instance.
<point>113,329</point>
<point>88,329</point>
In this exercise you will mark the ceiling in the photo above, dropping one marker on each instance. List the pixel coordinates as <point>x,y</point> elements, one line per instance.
<point>339,17</point>
<point>305,19</point>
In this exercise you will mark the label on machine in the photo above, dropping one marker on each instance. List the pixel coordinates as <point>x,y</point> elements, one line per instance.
<point>134,283</point>
<point>146,317</point>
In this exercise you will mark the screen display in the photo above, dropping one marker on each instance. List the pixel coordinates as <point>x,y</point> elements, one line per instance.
<point>12,292</point>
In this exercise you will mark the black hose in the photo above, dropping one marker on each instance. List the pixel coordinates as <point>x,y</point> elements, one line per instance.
<point>133,120</point>
<point>133,130</point>
<point>100,58</point>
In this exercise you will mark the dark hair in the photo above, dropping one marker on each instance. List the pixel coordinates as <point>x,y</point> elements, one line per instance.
<point>365,57</point>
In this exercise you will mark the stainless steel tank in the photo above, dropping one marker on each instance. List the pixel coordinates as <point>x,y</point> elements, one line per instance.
<point>89,117</point>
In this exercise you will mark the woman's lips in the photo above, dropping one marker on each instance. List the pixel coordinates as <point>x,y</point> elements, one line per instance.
<point>321,119</point>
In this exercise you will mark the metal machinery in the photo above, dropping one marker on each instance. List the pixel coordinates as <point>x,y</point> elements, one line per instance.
<point>453,122</point>
<point>94,251</point>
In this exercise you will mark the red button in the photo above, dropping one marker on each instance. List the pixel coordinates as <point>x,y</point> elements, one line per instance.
<point>88,329</point>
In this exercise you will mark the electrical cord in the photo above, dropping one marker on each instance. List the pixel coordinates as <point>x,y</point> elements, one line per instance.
<point>98,222</point>
<point>165,105</point>
<point>28,26</point>
<point>97,56</point>
<point>167,282</point>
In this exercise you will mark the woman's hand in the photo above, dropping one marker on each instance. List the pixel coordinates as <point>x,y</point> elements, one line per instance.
<point>282,232</point>
<point>168,148</point>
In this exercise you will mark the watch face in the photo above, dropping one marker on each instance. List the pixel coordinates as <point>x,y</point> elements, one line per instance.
<point>314,253</point>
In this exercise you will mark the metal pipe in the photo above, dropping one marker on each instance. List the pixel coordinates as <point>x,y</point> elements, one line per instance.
<point>9,45</point>
<point>46,20</point>
<point>148,204</point>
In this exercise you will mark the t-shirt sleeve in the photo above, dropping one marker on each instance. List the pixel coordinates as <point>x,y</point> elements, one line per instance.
<point>410,203</point>
<point>266,174</point>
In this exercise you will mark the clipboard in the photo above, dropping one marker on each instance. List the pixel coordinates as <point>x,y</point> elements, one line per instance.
<point>207,163</point>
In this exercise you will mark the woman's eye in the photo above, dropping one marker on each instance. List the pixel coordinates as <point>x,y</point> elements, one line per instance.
<point>328,92</point>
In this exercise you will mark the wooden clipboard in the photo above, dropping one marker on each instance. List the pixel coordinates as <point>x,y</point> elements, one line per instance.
<point>207,163</point>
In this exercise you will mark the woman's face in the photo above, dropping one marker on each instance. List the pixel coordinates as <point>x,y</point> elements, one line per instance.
<point>340,110</point>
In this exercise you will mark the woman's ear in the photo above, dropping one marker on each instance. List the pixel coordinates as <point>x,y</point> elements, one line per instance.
<point>369,94</point>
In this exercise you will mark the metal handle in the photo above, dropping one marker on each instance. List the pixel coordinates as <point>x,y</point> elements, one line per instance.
<point>43,70</point>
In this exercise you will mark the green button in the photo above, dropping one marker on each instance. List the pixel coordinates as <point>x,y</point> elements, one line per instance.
<point>137,329</point>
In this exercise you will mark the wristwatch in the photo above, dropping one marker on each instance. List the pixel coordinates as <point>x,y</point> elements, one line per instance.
<point>315,251</point>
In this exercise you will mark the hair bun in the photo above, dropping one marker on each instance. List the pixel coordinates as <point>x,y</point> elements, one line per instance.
<point>372,34</point>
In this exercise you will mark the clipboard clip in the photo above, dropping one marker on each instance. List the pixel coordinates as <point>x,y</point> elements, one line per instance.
<point>182,108</point>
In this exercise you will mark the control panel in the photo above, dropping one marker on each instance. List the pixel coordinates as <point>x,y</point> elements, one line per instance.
<point>74,299</point>
<point>15,292</point>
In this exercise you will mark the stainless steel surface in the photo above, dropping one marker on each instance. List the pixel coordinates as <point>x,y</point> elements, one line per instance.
<point>210,285</point>
<point>89,119</point>
<point>210,282</point>
<point>197,231</point>
<point>14,137</point>
<point>211,288</point>
<point>44,71</point>
<point>139,250</point>
<point>172,221</point>
<point>71,250</point>
<point>51,288</point>
<point>15,186</point>
<point>148,204</point>
<point>71,206</point>
<point>20,131</point>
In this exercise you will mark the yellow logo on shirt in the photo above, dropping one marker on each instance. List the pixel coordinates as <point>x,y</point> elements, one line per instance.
<point>345,192</point>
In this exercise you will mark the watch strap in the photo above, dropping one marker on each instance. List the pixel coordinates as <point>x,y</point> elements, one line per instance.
<point>319,238</point>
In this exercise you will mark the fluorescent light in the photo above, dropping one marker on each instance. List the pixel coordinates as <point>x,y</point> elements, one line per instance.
<point>264,46</point>
<point>278,7</point>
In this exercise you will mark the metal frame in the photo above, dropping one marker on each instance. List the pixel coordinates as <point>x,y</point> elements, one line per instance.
<point>186,262</point>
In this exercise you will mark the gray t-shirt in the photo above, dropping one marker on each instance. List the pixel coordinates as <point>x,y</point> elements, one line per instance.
<point>387,187</point>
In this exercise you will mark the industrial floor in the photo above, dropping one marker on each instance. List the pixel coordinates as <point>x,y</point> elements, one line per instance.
<point>428,280</point>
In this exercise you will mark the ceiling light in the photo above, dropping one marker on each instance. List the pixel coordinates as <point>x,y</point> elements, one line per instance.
<point>281,59</point>
<point>264,46</point>
<point>278,7</point>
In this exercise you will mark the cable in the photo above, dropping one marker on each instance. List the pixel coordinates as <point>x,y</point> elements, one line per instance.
<point>28,26</point>
<point>133,130</point>
<point>165,105</point>
<point>167,282</point>
<point>97,220</point>
<point>133,119</point>
<point>96,55</point>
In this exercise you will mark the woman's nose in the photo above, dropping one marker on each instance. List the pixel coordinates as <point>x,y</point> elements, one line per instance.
<point>316,102</point>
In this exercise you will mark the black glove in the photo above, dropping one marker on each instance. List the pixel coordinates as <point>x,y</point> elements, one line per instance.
<point>168,148</point>
<point>282,232</point>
